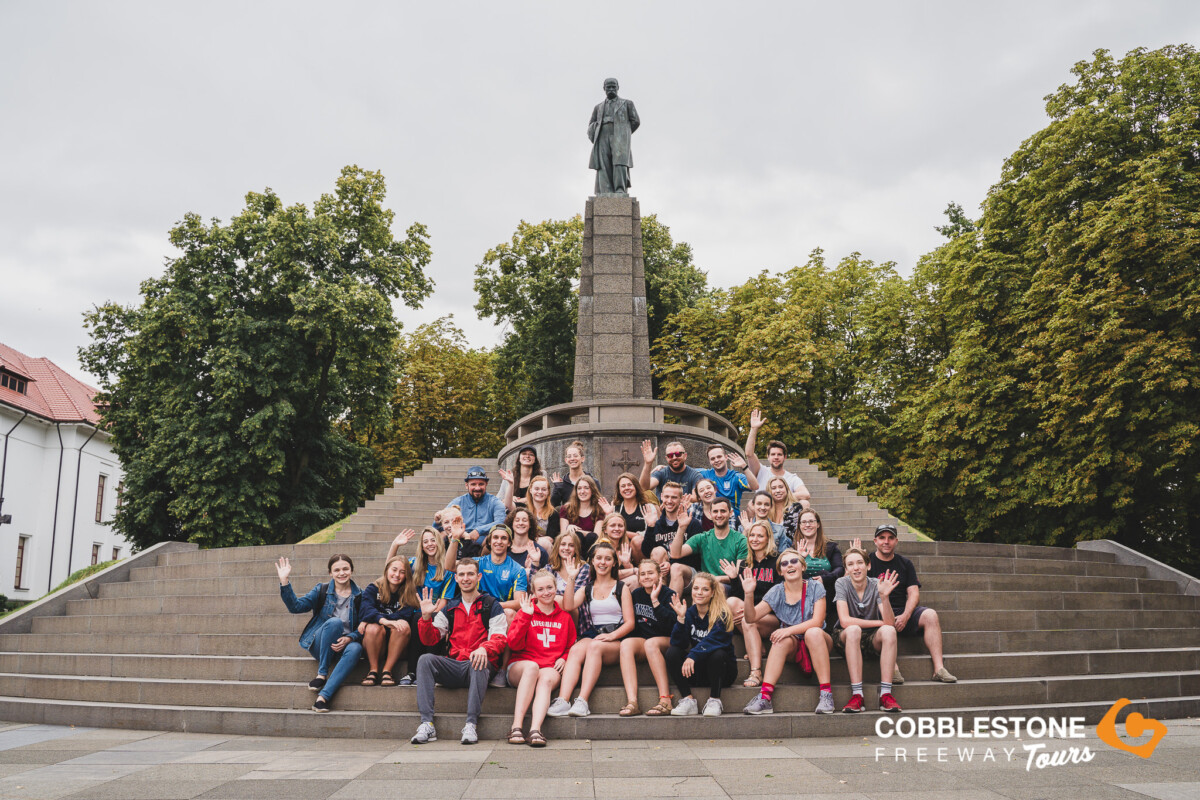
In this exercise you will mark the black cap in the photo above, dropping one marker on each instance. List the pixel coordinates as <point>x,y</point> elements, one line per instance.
<point>476,474</point>
<point>889,527</point>
<point>528,447</point>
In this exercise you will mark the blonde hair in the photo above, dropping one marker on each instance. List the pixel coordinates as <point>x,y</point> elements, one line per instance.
<point>541,573</point>
<point>408,590</point>
<point>718,608</point>
<point>555,557</point>
<point>422,561</point>
<point>603,529</point>
<point>789,499</point>
<point>771,548</point>
<point>548,508</point>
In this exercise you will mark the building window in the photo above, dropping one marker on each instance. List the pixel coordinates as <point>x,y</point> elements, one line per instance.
<point>100,498</point>
<point>22,545</point>
<point>95,554</point>
<point>10,381</point>
<point>116,553</point>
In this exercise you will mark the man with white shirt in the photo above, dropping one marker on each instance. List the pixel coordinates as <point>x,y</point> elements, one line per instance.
<point>776,455</point>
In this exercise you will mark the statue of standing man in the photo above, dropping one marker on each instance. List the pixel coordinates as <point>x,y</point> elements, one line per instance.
<point>610,129</point>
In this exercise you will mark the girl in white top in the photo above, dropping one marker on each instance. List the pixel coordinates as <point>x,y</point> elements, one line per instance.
<point>605,616</point>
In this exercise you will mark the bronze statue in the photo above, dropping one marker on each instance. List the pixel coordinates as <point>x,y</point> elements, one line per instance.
<point>610,129</point>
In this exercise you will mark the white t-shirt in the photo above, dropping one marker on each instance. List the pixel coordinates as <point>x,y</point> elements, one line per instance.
<point>793,480</point>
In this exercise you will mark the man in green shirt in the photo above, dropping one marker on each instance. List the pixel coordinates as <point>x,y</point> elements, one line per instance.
<point>712,547</point>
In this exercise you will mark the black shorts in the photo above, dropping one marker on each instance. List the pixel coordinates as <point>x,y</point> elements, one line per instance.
<point>913,628</point>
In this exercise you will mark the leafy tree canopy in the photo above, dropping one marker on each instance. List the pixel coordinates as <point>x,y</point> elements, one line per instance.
<point>530,285</point>
<point>232,386</point>
<point>449,401</point>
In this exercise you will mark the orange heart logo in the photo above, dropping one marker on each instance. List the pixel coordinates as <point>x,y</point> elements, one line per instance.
<point>1135,726</point>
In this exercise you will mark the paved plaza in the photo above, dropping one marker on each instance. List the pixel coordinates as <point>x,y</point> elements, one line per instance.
<point>47,761</point>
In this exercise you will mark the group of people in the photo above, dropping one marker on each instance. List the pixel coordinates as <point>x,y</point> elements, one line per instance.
<point>542,584</point>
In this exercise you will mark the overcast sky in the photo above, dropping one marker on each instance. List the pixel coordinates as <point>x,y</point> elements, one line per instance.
<point>768,129</point>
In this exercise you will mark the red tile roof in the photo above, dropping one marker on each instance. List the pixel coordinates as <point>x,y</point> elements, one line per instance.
<point>50,392</point>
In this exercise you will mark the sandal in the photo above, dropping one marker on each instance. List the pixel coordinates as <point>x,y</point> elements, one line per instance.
<point>755,678</point>
<point>536,739</point>
<point>629,710</point>
<point>663,707</point>
<point>517,736</point>
<point>387,679</point>
<point>372,679</point>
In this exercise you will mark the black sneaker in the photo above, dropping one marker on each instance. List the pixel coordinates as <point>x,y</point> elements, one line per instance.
<point>408,680</point>
<point>321,705</point>
<point>316,684</point>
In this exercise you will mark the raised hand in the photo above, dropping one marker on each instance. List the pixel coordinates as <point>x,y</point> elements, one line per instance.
<point>655,592</point>
<point>687,500</point>
<point>458,528</point>
<point>887,582</point>
<point>283,568</point>
<point>649,452</point>
<point>736,461</point>
<point>625,555</point>
<point>650,514</point>
<point>679,607</point>
<point>404,537</point>
<point>747,519</point>
<point>428,604</point>
<point>605,506</point>
<point>556,477</point>
<point>757,420</point>
<point>729,568</point>
<point>572,568</point>
<point>527,605</point>
<point>664,572</point>
<point>506,476</point>
<point>856,544</point>
<point>749,584</point>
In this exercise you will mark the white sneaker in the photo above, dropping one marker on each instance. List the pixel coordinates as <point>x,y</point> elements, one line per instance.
<point>713,707</point>
<point>579,708</point>
<point>469,736</point>
<point>558,708</point>
<point>686,708</point>
<point>425,733</point>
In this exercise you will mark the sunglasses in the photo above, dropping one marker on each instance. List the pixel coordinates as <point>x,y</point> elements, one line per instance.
<point>791,562</point>
<point>675,455</point>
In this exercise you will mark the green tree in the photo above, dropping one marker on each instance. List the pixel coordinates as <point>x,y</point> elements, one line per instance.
<point>530,285</point>
<point>233,387</point>
<point>449,401</point>
<point>1066,408</point>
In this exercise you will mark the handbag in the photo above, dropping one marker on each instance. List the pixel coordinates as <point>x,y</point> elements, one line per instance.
<point>802,656</point>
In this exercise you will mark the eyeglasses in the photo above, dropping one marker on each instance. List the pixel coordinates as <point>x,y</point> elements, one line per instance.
<point>809,522</point>
<point>791,562</point>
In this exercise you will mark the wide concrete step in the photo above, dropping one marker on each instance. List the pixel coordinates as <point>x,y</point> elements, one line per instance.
<point>265,598</point>
<point>300,667</point>
<point>366,549</point>
<point>925,565</point>
<point>917,696</point>
<point>267,586</point>
<point>268,620</point>
<point>284,642</point>
<point>400,726</point>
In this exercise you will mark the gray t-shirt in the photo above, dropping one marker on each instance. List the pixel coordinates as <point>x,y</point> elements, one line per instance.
<point>793,614</point>
<point>343,612</point>
<point>867,607</point>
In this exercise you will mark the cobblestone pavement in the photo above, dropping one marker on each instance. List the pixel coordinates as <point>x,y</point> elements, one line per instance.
<point>47,761</point>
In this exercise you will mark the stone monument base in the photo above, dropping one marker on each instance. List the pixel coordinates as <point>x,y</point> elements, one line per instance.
<point>612,432</point>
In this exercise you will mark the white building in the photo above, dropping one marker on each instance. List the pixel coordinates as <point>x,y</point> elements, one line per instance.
<point>59,479</point>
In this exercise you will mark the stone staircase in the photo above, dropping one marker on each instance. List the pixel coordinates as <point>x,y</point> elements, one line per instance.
<point>200,641</point>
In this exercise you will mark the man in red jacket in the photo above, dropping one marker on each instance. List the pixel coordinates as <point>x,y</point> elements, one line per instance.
<point>474,626</point>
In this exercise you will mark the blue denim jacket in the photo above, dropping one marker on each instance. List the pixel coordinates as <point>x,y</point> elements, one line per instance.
<point>298,605</point>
